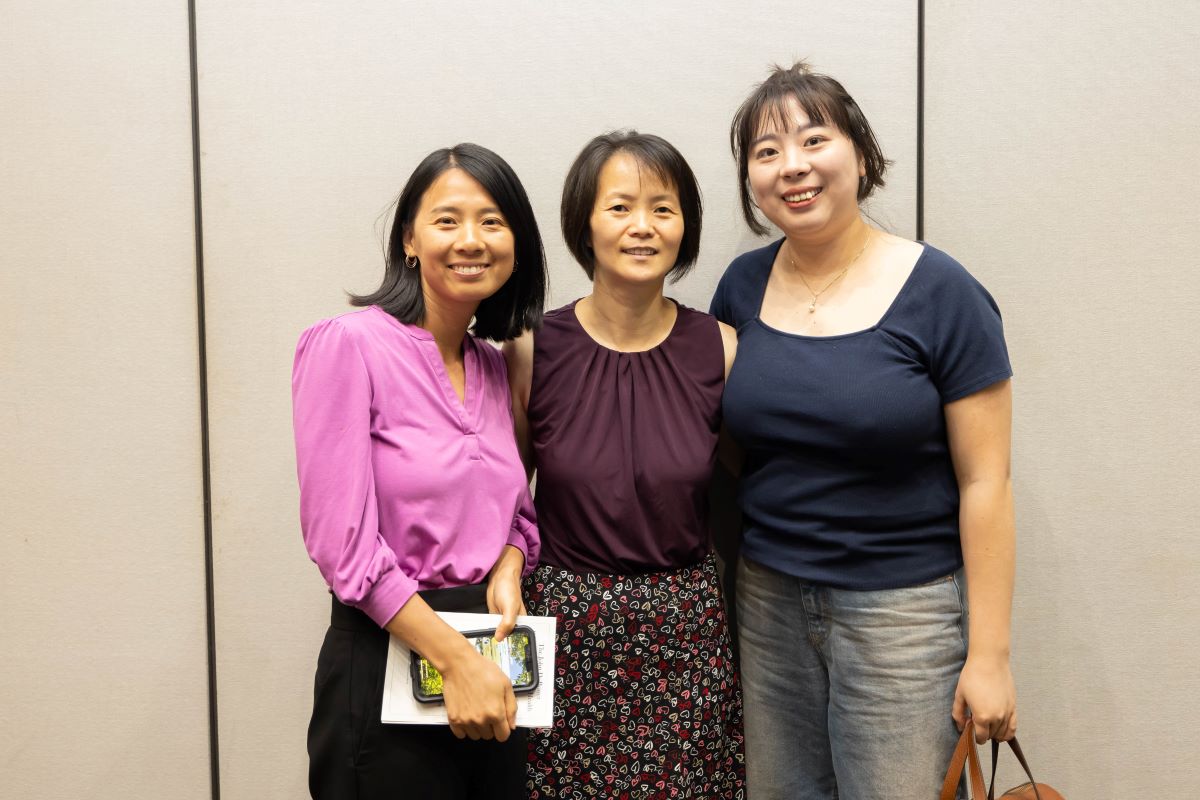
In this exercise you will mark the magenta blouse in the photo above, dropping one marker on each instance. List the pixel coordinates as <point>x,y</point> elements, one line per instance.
<point>403,487</point>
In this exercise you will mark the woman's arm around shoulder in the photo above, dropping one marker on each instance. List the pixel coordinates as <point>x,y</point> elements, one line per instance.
<point>729,341</point>
<point>728,453</point>
<point>518,353</point>
<point>979,430</point>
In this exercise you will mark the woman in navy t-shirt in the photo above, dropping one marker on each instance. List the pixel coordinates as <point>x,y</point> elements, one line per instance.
<point>871,398</point>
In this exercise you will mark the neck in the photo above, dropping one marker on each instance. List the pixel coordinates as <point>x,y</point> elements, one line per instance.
<point>448,324</point>
<point>625,316</point>
<point>826,256</point>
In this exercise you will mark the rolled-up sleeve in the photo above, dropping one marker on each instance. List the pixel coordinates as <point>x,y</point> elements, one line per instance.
<point>524,532</point>
<point>339,515</point>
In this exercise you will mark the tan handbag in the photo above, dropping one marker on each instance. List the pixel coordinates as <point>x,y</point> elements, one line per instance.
<point>966,753</point>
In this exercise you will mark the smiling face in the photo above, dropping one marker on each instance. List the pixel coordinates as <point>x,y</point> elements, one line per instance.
<point>636,223</point>
<point>804,176</point>
<point>465,245</point>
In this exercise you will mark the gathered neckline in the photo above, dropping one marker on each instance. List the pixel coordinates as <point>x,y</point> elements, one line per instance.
<point>674,327</point>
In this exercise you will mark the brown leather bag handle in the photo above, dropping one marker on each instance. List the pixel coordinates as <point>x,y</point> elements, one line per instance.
<point>965,754</point>
<point>1016,748</point>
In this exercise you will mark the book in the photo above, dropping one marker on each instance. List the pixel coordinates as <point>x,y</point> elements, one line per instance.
<point>534,709</point>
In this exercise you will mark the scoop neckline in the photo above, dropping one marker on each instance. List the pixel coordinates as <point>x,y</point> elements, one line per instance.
<point>904,287</point>
<point>665,339</point>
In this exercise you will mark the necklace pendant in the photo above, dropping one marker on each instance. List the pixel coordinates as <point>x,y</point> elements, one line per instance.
<point>812,307</point>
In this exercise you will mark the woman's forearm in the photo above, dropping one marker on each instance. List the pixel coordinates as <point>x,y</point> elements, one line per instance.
<point>419,627</point>
<point>989,550</point>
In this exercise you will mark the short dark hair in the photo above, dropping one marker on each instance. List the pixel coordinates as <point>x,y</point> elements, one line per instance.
<point>518,304</point>
<point>826,102</point>
<point>650,151</point>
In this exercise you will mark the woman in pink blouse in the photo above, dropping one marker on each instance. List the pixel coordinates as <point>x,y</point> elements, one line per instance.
<point>413,497</point>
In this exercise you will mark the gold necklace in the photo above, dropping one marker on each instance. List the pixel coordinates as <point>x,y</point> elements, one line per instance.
<point>812,306</point>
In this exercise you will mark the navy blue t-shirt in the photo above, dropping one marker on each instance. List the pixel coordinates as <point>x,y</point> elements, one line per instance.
<point>848,480</point>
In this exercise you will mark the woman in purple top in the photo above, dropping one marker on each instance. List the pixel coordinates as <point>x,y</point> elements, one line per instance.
<point>618,403</point>
<point>413,498</point>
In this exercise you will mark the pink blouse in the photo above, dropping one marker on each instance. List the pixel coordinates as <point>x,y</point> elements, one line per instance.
<point>402,486</point>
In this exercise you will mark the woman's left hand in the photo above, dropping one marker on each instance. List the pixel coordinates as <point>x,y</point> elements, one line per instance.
<point>504,590</point>
<point>986,692</point>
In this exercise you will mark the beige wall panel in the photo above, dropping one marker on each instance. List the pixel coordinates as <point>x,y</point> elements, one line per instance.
<point>313,118</point>
<point>1062,147</point>
<point>103,681</point>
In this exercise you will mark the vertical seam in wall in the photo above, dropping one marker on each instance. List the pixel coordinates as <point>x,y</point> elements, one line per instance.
<point>209,605</point>
<point>920,120</point>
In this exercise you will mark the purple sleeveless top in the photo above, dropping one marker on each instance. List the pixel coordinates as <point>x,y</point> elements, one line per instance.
<point>624,445</point>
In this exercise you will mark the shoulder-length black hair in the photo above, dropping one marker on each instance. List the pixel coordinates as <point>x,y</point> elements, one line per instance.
<point>517,306</point>
<point>826,102</point>
<point>655,154</point>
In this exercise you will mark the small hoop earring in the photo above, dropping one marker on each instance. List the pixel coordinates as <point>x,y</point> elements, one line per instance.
<point>411,262</point>
<point>516,264</point>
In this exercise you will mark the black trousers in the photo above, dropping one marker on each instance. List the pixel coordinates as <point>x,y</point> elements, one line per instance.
<point>354,756</point>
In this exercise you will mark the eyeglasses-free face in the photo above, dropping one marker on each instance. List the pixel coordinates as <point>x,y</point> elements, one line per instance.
<point>804,176</point>
<point>636,224</point>
<point>463,243</point>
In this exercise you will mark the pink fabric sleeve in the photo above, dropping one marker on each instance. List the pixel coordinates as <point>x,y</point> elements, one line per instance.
<point>524,533</point>
<point>331,415</point>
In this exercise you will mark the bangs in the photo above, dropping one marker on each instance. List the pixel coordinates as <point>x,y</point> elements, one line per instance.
<point>770,110</point>
<point>653,161</point>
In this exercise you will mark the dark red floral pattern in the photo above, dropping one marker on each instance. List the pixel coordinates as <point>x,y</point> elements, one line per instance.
<point>647,702</point>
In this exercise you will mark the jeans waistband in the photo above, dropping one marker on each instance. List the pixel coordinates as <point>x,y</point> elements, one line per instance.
<point>472,597</point>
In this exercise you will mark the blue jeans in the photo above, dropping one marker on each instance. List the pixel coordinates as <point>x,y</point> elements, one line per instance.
<point>847,694</point>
